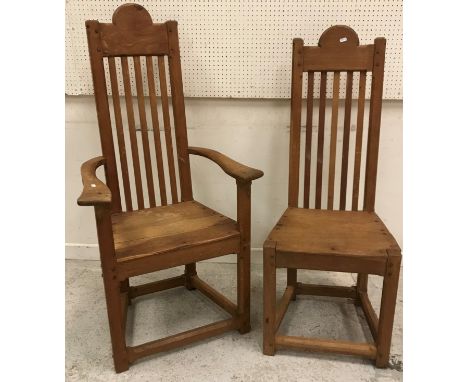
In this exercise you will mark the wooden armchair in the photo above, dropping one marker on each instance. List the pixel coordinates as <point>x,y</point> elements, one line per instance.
<point>329,237</point>
<point>148,237</point>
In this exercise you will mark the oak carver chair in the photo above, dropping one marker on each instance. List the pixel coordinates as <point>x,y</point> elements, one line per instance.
<point>327,236</point>
<point>148,237</point>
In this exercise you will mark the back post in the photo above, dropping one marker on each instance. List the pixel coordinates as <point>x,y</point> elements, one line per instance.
<point>102,108</point>
<point>374,124</point>
<point>295,124</point>
<point>178,105</point>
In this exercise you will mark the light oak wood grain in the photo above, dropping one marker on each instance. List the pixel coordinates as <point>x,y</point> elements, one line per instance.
<point>355,241</point>
<point>147,238</point>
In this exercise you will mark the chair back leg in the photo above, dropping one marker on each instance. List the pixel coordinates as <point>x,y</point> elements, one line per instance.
<point>361,284</point>
<point>292,280</point>
<point>190,270</point>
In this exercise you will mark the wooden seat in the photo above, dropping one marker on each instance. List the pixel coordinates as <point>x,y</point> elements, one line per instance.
<point>345,241</point>
<point>170,233</point>
<point>331,231</point>
<point>163,229</point>
<point>141,232</point>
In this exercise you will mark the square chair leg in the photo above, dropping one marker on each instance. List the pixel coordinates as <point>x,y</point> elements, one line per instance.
<point>243,288</point>
<point>292,280</point>
<point>190,270</point>
<point>269,298</point>
<point>381,327</point>
<point>387,308</point>
<point>116,322</point>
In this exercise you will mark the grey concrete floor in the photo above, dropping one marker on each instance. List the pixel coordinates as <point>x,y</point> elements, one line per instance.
<point>230,356</point>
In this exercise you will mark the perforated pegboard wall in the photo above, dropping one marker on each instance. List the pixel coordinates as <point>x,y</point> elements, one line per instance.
<point>241,48</point>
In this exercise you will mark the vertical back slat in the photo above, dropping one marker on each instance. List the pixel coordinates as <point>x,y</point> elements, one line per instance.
<point>295,122</point>
<point>167,128</point>
<point>374,124</point>
<point>327,57</point>
<point>320,139</point>
<point>103,115</point>
<point>157,137</point>
<point>308,137</point>
<point>359,132</point>
<point>346,131</point>
<point>333,135</point>
<point>120,133</point>
<point>132,130</point>
<point>144,130</point>
<point>178,108</point>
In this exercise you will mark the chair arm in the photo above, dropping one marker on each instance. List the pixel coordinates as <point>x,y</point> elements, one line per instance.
<point>95,192</point>
<point>235,169</point>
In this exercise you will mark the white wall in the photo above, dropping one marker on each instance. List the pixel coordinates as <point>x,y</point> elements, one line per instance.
<point>254,132</point>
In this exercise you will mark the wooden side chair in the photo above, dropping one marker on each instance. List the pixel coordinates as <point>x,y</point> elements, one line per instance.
<point>158,232</point>
<point>329,236</point>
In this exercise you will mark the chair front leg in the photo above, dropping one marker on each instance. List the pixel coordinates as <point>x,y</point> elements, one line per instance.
<point>387,308</point>
<point>269,297</point>
<point>243,257</point>
<point>116,321</point>
<point>112,288</point>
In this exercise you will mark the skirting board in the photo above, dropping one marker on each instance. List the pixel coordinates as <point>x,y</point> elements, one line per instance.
<point>77,251</point>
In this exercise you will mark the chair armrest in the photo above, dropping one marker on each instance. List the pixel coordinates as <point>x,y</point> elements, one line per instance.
<point>95,192</point>
<point>235,169</point>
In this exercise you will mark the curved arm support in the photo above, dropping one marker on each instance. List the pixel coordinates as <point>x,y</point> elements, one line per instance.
<point>235,169</point>
<point>95,192</point>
